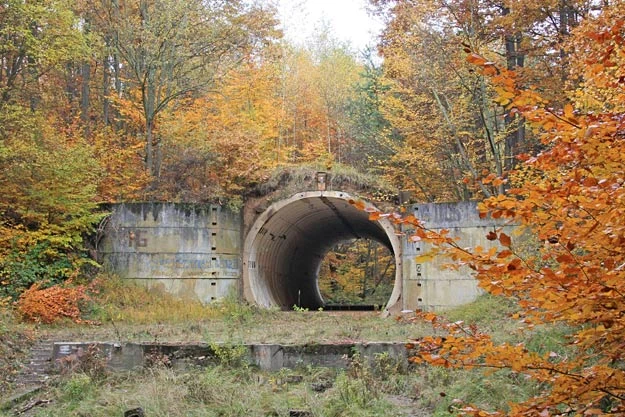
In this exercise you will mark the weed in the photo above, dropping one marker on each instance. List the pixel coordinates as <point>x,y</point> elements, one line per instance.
<point>234,310</point>
<point>77,387</point>
<point>224,392</point>
<point>123,301</point>
<point>157,359</point>
<point>384,364</point>
<point>548,339</point>
<point>352,396</point>
<point>491,314</point>
<point>354,390</point>
<point>15,339</point>
<point>230,355</point>
<point>486,311</point>
<point>89,361</point>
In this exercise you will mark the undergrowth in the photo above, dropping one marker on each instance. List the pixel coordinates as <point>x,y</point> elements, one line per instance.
<point>233,387</point>
<point>225,389</point>
<point>122,301</point>
<point>15,342</point>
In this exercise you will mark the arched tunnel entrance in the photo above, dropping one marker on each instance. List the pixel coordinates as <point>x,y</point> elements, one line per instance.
<point>285,246</point>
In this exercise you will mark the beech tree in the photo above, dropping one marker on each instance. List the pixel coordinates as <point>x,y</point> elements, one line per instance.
<point>221,143</point>
<point>570,198</point>
<point>48,176</point>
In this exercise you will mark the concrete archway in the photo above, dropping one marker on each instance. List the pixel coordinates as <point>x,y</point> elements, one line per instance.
<point>285,246</point>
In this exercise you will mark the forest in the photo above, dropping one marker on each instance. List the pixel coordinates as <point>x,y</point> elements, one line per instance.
<point>517,104</point>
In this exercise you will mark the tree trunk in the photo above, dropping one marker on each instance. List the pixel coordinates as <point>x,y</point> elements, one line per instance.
<point>149,151</point>
<point>514,125</point>
<point>106,104</point>
<point>85,97</point>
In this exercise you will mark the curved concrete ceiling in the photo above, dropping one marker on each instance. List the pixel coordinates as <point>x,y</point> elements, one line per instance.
<point>284,249</point>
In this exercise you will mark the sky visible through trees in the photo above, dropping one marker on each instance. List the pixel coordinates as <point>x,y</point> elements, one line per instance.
<point>349,20</point>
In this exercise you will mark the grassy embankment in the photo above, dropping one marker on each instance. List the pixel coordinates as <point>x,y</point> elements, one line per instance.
<point>234,388</point>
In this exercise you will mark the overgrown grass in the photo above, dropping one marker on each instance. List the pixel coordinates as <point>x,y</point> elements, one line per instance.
<point>234,387</point>
<point>222,390</point>
<point>122,301</point>
<point>490,314</point>
<point>133,313</point>
<point>489,389</point>
<point>381,388</point>
<point>289,180</point>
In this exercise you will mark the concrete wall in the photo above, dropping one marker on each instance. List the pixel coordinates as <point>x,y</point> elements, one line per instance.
<point>196,251</point>
<point>190,251</point>
<point>268,357</point>
<point>429,286</point>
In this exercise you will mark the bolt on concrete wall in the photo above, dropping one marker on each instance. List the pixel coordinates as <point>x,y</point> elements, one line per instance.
<point>191,251</point>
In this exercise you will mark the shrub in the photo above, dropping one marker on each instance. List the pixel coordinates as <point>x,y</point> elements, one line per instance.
<point>77,388</point>
<point>48,305</point>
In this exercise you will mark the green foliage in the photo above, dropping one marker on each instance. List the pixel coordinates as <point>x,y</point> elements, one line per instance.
<point>38,264</point>
<point>231,355</point>
<point>48,185</point>
<point>35,37</point>
<point>77,387</point>
<point>21,270</point>
<point>375,139</point>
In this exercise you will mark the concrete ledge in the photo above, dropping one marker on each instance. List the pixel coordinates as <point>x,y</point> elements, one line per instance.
<point>19,397</point>
<point>269,357</point>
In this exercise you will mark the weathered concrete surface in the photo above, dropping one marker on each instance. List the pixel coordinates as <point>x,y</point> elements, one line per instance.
<point>285,246</point>
<point>429,286</point>
<point>269,357</point>
<point>200,252</point>
<point>188,250</point>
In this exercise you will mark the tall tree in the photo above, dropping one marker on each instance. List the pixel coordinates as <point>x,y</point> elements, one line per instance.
<point>374,139</point>
<point>177,49</point>
<point>570,197</point>
<point>431,88</point>
<point>36,39</point>
<point>335,78</point>
<point>221,143</point>
<point>317,85</point>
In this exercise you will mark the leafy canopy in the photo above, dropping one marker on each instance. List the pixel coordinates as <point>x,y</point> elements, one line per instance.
<point>572,198</point>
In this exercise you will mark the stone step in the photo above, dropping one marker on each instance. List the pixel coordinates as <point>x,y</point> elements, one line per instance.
<point>37,367</point>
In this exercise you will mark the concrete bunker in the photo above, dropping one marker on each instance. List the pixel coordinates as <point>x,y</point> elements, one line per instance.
<point>285,246</point>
